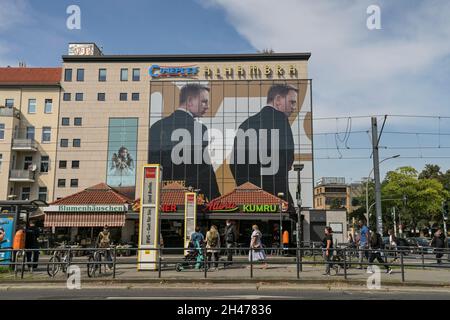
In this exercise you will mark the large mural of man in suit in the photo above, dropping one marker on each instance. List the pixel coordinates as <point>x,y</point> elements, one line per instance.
<point>179,142</point>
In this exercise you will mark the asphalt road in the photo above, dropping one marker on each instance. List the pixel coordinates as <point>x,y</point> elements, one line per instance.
<point>216,293</point>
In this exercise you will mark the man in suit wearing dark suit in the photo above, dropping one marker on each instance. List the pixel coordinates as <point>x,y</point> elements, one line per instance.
<point>273,119</point>
<point>177,143</point>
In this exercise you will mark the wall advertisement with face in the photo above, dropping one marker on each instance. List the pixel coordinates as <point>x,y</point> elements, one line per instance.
<point>122,149</point>
<point>216,135</point>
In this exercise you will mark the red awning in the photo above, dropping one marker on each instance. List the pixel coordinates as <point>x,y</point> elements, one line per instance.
<point>82,219</point>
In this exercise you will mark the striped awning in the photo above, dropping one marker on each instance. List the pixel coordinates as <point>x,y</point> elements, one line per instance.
<point>83,219</point>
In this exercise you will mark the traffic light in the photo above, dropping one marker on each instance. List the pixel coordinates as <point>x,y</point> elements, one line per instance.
<point>445,210</point>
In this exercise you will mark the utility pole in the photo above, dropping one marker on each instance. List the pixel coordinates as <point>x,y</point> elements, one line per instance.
<point>395,223</point>
<point>376,173</point>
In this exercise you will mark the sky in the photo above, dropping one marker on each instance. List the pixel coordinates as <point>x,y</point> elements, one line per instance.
<point>400,70</point>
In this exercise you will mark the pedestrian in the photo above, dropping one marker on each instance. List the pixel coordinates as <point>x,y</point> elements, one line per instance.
<point>376,245</point>
<point>257,252</point>
<point>327,245</point>
<point>285,242</point>
<point>104,242</point>
<point>364,239</point>
<point>438,243</point>
<point>230,240</point>
<point>393,243</point>
<point>31,242</point>
<point>212,246</point>
<point>197,236</point>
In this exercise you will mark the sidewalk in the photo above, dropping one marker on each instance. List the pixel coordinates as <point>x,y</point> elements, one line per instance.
<point>238,273</point>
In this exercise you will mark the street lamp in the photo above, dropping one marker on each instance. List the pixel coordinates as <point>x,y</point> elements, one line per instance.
<point>298,168</point>
<point>281,195</point>
<point>367,187</point>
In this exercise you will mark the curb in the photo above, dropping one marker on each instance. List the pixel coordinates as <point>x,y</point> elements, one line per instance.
<point>266,281</point>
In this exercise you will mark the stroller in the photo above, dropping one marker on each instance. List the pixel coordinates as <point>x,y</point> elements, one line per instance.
<point>194,259</point>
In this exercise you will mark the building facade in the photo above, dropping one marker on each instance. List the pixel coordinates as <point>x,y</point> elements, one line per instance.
<point>29,115</point>
<point>110,102</point>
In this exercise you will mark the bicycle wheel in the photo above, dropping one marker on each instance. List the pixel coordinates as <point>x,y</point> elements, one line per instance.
<point>53,266</point>
<point>91,267</point>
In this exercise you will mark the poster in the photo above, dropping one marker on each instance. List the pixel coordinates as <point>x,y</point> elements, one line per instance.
<point>6,237</point>
<point>122,151</point>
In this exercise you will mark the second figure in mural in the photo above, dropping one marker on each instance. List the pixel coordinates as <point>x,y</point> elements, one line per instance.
<point>122,163</point>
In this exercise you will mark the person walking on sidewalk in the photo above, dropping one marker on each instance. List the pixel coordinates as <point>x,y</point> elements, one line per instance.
<point>376,245</point>
<point>438,243</point>
<point>257,252</point>
<point>104,242</point>
<point>230,240</point>
<point>327,244</point>
<point>364,240</point>
<point>212,246</point>
<point>285,242</point>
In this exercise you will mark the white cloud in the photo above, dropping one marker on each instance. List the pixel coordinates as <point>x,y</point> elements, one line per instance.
<point>356,71</point>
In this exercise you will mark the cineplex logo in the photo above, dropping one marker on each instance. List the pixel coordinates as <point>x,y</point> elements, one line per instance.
<point>252,147</point>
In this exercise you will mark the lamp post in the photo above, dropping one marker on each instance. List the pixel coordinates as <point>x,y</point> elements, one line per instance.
<point>367,188</point>
<point>281,195</point>
<point>298,168</point>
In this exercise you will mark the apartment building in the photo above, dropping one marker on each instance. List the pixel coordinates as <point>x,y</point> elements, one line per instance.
<point>29,113</point>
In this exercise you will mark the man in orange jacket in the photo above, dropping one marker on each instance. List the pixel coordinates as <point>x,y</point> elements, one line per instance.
<point>285,242</point>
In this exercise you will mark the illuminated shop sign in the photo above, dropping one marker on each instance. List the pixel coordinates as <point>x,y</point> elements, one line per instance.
<point>169,208</point>
<point>157,71</point>
<point>250,208</point>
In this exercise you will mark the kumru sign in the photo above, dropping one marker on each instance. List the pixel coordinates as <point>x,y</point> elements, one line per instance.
<point>260,208</point>
<point>87,208</point>
<point>250,208</point>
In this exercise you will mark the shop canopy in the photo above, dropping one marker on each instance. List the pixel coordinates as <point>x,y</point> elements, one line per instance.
<point>93,207</point>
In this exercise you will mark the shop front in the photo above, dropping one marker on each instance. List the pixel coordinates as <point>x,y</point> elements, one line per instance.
<point>79,218</point>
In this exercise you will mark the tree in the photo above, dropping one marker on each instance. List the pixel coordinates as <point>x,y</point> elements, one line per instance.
<point>431,171</point>
<point>424,196</point>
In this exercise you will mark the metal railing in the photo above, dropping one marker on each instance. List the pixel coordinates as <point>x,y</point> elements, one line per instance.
<point>22,174</point>
<point>344,257</point>
<point>24,144</point>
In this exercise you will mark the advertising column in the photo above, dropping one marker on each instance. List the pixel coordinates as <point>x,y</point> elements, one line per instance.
<point>149,218</point>
<point>190,216</point>
<point>7,229</point>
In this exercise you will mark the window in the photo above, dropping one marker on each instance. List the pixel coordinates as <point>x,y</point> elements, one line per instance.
<point>48,106</point>
<point>62,164</point>
<point>123,97</point>
<point>26,192</point>
<point>76,143</point>
<point>61,183</point>
<point>75,164</point>
<point>123,74</point>
<point>136,74</point>
<point>74,183</point>
<point>78,96</point>
<point>77,121</point>
<point>101,96</point>
<point>64,143</point>
<point>2,131</point>
<point>42,193</point>
<point>31,105</point>
<point>44,163</point>
<point>9,103</point>
<point>68,75</point>
<point>135,96</point>
<point>101,74</point>
<point>80,74</point>
<point>65,121</point>
<point>67,96</point>
<point>46,134</point>
<point>27,162</point>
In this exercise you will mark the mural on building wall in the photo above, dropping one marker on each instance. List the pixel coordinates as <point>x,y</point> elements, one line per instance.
<point>122,150</point>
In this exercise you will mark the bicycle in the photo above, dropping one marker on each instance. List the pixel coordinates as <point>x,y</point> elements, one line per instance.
<point>60,259</point>
<point>95,264</point>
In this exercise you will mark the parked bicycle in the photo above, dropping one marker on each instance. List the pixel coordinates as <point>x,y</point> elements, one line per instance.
<point>98,262</point>
<point>60,259</point>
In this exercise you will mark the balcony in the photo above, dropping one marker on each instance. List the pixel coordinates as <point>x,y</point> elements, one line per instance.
<point>22,176</point>
<point>9,112</point>
<point>24,145</point>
